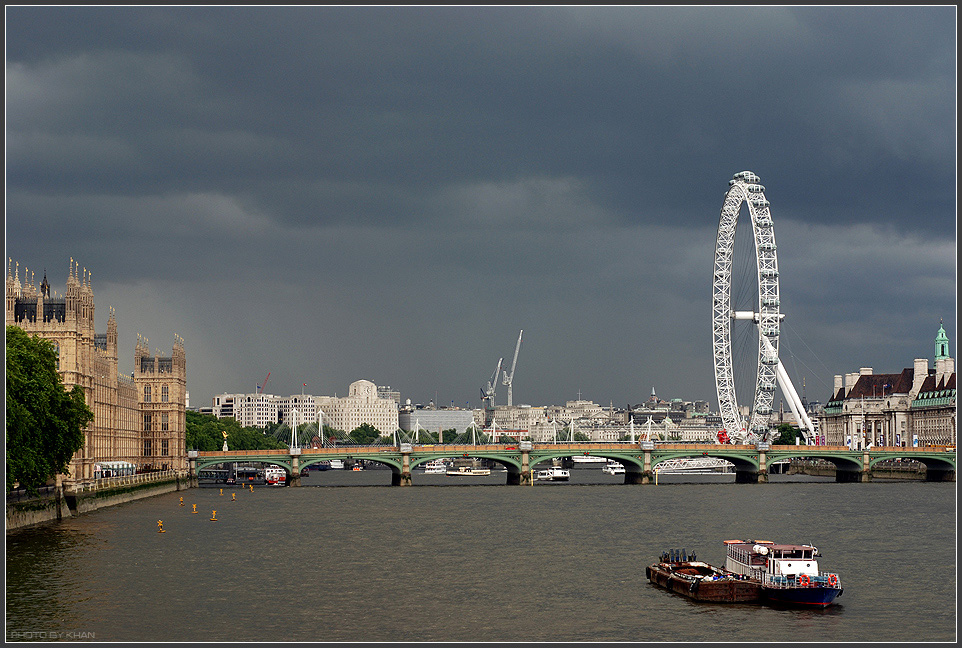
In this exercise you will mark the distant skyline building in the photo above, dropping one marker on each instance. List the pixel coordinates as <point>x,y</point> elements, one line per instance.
<point>365,403</point>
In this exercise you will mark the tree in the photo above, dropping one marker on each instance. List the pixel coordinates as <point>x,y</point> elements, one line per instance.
<point>786,434</point>
<point>44,422</point>
<point>364,434</point>
<point>205,432</point>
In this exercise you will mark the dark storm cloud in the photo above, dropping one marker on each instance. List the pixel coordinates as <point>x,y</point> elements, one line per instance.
<point>434,178</point>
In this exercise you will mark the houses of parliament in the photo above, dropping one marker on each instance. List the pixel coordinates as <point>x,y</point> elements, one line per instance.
<point>139,417</point>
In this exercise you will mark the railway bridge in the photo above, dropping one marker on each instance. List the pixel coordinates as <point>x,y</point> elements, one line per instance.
<point>751,462</point>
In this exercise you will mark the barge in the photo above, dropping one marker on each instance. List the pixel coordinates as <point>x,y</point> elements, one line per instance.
<point>700,581</point>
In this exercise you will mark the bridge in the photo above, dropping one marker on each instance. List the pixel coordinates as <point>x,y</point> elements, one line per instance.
<point>639,459</point>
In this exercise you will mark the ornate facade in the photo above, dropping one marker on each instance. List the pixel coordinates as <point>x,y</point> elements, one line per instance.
<point>913,407</point>
<point>139,418</point>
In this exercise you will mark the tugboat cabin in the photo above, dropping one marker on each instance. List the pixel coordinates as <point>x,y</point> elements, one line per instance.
<point>786,560</point>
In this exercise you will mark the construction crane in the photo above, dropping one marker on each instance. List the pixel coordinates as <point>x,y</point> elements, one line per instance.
<point>508,379</point>
<point>487,393</point>
<point>260,390</point>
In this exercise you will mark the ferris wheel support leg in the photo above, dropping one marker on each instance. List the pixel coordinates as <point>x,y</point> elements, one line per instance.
<point>794,402</point>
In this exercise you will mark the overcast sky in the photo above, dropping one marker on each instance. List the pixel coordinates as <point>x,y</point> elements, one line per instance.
<point>332,194</point>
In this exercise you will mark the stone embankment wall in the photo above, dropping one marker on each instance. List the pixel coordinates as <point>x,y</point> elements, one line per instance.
<point>63,503</point>
<point>912,470</point>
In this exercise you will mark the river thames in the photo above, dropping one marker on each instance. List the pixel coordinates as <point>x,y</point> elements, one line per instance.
<point>349,558</point>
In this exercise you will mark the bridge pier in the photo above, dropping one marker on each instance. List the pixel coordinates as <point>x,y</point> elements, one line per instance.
<point>647,474</point>
<point>403,478</point>
<point>525,478</point>
<point>294,479</point>
<point>192,475</point>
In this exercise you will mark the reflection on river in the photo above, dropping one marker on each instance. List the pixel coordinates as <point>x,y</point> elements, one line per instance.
<point>349,558</point>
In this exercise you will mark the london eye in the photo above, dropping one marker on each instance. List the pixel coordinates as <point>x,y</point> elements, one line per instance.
<point>751,425</point>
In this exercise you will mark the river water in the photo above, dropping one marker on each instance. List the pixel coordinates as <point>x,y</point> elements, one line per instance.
<point>349,558</point>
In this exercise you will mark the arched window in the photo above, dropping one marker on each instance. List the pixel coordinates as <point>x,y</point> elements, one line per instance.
<point>164,393</point>
<point>146,393</point>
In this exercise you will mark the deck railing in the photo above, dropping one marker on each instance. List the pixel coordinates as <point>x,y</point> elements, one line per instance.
<point>823,579</point>
<point>124,480</point>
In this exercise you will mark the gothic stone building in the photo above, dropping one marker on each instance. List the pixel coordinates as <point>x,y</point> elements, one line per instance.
<point>913,407</point>
<point>139,417</point>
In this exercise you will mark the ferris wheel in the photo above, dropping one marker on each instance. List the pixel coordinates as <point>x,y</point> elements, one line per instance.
<point>744,188</point>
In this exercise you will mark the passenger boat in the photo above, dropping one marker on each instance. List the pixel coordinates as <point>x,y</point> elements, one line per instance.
<point>435,467</point>
<point>700,581</point>
<point>275,475</point>
<point>468,471</point>
<point>337,464</point>
<point>587,459</point>
<point>553,473</point>
<point>788,573</point>
<point>613,468</point>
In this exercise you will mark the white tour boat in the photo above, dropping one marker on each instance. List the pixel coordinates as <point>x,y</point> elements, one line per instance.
<point>613,468</point>
<point>435,467</point>
<point>553,474</point>
<point>468,471</point>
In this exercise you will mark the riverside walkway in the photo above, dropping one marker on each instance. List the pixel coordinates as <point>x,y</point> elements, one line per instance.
<point>639,459</point>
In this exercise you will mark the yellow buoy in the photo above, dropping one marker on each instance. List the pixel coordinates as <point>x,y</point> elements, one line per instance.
<point>233,497</point>
<point>213,516</point>
<point>252,488</point>
<point>222,491</point>
<point>195,509</point>
<point>160,526</point>
<point>181,501</point>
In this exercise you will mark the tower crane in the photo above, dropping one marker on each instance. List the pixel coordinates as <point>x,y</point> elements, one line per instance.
<point>260,390</point>
<point>508,379</point>
<point>487,394</point>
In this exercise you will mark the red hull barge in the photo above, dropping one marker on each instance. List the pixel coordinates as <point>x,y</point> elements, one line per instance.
<point>700,581</point>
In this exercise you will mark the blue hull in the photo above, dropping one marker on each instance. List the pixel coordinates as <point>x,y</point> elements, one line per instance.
<point>815,596</point>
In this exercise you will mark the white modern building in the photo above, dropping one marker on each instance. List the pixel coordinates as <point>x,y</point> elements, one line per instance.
<point>363,404</point>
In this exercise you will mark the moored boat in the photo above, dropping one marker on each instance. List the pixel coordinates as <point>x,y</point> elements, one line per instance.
<point>701,581</point>
<point>435,467</point>
<point>788,573</point>
<point>554,473</point>
<point>613,468</point>
<point>468,471</point>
